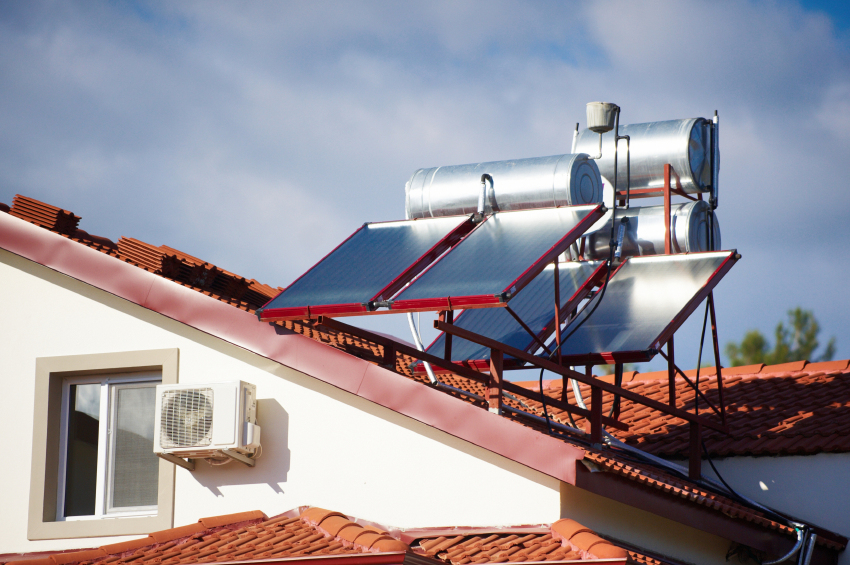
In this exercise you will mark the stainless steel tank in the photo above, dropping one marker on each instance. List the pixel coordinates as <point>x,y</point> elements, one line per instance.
<point>539,182</point>
<point>685,144</point>
<point>644,234</point>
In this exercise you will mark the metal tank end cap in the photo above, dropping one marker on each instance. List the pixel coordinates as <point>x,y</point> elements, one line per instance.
<point>601,116</point>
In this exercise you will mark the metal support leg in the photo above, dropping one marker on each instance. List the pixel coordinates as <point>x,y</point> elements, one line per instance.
<point>668,244</point>
<point>716,356</point>
<point>596,415</point>
<point>494,390</point>
<point>388,361</point>
<point>695,466</point>
<point>447,316</point>
<point>671,374</point>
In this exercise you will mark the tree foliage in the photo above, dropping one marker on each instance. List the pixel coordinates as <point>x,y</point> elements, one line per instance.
<point>795,341</point>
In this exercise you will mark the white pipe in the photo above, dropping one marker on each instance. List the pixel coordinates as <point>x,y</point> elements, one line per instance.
<point>418,342</point>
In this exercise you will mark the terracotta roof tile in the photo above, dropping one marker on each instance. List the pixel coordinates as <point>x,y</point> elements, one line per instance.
<point>228,519</point>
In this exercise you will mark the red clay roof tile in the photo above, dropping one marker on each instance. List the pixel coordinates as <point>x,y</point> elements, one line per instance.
<point>177,533</point>
<point>123,546</point>
<point>785,367</point>
<point>77,556</point>
<point>227,519</point>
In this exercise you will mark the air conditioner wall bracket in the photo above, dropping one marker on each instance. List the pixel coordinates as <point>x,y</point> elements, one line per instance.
<point>239,457</point>
<point>185,463</point>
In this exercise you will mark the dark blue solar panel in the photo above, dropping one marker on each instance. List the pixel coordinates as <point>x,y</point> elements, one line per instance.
<point>498,252</point>
<point>641,301</point>
<point>366,262</point>
<point>535,305</point>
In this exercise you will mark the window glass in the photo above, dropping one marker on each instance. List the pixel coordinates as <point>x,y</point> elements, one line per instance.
<point>82,443</point>
<point>134,468</point>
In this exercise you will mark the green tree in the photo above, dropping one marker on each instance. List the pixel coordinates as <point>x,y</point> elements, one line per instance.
<point>795,342</point>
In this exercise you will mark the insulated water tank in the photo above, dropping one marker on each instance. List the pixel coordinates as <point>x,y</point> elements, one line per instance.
<point>685,144</point>
<point>644,234</point>
<point>539,182</point>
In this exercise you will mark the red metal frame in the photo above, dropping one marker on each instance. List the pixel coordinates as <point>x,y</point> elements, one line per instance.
<point>498,299</point>
<point>359,309</point>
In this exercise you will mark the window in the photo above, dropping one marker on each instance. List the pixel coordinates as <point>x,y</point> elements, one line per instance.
<point>107,464</point>
<point>93,470</point>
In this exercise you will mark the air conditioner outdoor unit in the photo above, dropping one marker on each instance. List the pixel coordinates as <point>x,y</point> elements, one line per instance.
<point>206,421</point>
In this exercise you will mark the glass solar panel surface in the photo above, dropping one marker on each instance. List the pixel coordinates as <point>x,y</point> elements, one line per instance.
<point>496,253</point>
<point>535,305</point>
<point>366,262</point>
<point>642,299</point>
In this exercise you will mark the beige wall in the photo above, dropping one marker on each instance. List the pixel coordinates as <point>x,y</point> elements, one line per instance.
<point>641,528</point>
<point>322,446</point>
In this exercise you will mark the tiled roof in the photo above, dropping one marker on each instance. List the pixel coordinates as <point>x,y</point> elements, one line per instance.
<point>791,409</point>
<point>315,532</point>
<point>565,540</point>
<point>195,273</point>
<point>145,256</point>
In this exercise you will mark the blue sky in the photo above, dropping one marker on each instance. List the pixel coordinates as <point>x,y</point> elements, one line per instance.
<point>259,135</point>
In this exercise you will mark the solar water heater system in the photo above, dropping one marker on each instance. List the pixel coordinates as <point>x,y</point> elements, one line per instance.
<point>544,269</point>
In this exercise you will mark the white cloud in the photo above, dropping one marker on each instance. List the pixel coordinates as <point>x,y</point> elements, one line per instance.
<point>258,135</point>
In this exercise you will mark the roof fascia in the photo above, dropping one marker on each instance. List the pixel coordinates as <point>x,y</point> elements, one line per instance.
<point>491,432</point>
<point>700,517</point>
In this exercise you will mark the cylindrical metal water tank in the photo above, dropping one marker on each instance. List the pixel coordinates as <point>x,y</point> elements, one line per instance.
<point>539,182</point>
<point>685,144</point>
<point>644,234</point>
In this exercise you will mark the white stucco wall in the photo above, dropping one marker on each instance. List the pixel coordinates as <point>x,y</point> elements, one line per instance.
<point>811,487</point>
<point>322,446</point>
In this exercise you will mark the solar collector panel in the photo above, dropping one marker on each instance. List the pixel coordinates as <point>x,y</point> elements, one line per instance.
<point>646,301</point>
<point>497,259</point>
<point>372,264</point>
<point>535,306</point>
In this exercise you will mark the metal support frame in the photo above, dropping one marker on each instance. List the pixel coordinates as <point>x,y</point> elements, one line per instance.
<point>245,460</point>
<point>185,463</point>
<point>494,388</point>
<point>447,316</point>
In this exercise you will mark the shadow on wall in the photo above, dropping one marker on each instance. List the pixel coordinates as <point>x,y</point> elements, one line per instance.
<point>272,466</point>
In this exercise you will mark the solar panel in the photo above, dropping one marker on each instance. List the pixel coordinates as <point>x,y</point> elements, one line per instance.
<point>371,265</point>
<point>502,255</point>
<point>535,306</point>
<point>646,301</point>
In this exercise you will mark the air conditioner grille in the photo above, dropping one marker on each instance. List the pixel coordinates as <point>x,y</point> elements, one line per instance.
<point>186,419</point>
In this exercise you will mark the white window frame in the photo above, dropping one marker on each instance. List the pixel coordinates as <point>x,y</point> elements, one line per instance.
<point>109,385</point>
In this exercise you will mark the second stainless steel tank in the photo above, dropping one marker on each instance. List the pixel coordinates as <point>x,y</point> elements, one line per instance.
<point>539,182</point>
<point>685,144</point>
<point>644,234</point>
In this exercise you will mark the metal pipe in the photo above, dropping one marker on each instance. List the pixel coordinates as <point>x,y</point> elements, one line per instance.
<point>808,549</point>
<point>418,343</point>
<point>801,535</point>
<point>482,196</point>
<point>715,161</point>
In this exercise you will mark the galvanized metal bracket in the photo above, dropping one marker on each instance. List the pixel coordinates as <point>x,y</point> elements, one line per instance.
<point>245,460</point>
<point>185,463</point>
